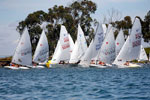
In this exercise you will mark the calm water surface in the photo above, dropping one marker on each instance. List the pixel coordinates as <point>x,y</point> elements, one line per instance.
<point>75,83</point>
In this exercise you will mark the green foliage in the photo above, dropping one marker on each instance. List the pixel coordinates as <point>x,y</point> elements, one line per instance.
<point>79,12</point>
<point>146,27</point>
<point>147,50</point>
<point>124,24</point>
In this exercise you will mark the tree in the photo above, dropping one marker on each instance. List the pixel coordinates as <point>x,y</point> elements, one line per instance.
<point>124,24</point>
<point>146,27</point>
<point>78,12</point>
<point>112,16</point>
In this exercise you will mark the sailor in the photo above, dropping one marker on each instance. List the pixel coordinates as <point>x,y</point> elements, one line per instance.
<point>126,63</point>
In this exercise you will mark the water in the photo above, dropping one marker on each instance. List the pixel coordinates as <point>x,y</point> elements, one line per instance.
<point>75,84</point>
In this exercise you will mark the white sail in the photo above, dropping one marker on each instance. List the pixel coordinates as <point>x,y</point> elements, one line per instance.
<point>65,44</point>
<point>86,59</point>
<point>74,55</point>
<point>63,48</point>
<point>81,42</point>
<point>42,51</point>
<point>131,47</point>
<point>57,54</point>
<point>94,47</point>
<point>142,55</point>
<point>119,41</point>
<point>23,53</point>
<point>80,47</point>
<point>108,29</point>
<point>107,51</point>
<point>71,43</point>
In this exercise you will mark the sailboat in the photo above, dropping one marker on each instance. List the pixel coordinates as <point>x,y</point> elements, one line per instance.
<point>107,52</point>
<point>119,41</point>
<point>94,47</point>
<point>57,53</point>
<point>63,49</point>
<point>23,53</point>
<point>42,52</point>
<point>131,48</point>
<point>142,56</point>
<point>79,48</point>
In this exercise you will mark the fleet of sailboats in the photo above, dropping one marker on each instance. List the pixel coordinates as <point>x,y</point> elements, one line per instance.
<point>103,51</point>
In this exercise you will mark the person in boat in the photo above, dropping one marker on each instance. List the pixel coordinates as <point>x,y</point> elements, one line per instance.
<point>102,63</point>
<point>126,63</point>
<point>97,62</point>
<point>34,63</point>
<point>62,62</point>
<point>14,65</point>
<point>92,61</point>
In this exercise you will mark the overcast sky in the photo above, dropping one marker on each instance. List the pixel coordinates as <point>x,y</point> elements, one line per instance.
<point>13,11</point>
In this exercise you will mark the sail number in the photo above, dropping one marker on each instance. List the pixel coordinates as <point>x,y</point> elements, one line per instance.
<point>136,43</point>
<point>138,40</point>
<point>66,39</point>
<point>100,40</point>
<point>25,51</point>
<point>65,46</point>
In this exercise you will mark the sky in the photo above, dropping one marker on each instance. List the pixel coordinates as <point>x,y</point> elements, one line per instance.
<point>13,11</point>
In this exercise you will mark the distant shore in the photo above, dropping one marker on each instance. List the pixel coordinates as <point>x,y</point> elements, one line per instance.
<point>5,61</point>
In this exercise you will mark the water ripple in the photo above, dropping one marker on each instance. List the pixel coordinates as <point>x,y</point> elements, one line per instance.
<point>73,83</point>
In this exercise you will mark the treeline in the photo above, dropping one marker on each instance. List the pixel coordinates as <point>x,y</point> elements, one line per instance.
<point>126,24</point>
<point>70,16</point>
<point>78,12</point>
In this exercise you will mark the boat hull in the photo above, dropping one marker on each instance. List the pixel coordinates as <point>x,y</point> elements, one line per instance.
<point>38,66</point>
<point>15,68</point>
<point>97,66</point>
<point>58,65</point>
<point>11,67</point>
<point>131,65</point>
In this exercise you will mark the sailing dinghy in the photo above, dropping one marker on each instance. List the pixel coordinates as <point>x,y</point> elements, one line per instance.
<point>131,48</point>
<point>106,54</point>
<point>41,54</point>
<point>23,53</point>
<point>79,48</point>
<point>94,47</point>
<point>63,49</point>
